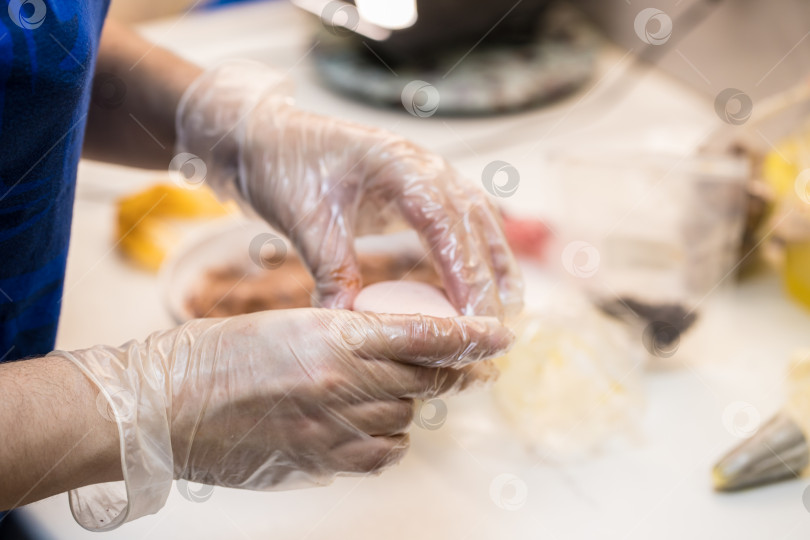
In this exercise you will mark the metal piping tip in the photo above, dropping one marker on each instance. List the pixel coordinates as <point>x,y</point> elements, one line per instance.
<point>778,451</point>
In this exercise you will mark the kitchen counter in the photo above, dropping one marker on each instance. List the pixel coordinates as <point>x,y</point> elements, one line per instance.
<point>452,483</point>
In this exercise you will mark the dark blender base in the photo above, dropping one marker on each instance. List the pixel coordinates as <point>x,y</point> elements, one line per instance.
<point>509,72</point>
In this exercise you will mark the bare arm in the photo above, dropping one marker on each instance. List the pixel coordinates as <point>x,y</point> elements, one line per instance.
<point>54,437</point>
<point>136,90</point>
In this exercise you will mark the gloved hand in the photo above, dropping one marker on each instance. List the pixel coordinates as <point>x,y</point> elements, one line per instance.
<point>323,181</point>
<point>272,400</point>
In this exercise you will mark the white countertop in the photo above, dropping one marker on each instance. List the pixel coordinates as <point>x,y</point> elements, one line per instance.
<point>657,488</point>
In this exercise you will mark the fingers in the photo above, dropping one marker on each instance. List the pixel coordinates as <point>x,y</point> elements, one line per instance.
<point>370,454</point>
<point>426,383</point>
<point>387,379</point>
<point>388,360</point>
<point>488,300</point>
<point>382,418</point>
<point>326,244</point>
<point>430,341</point>
<point>443,223</point>
<point>504,265</point>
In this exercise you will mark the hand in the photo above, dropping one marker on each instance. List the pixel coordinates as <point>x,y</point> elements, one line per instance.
<point>323,181</point>
<point>274,400</point>
<point>292,398</point>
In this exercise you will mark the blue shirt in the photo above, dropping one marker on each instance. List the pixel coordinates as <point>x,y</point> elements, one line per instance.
<point>47,56</point>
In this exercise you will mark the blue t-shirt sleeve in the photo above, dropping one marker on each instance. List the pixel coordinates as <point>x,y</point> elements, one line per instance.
<point>47,58</point>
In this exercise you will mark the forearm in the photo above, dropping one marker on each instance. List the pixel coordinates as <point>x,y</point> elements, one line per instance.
<point>54,437</point>
<point>135,95</point>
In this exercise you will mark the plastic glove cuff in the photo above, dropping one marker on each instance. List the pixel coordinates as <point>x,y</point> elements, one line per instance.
<point>135,401</point>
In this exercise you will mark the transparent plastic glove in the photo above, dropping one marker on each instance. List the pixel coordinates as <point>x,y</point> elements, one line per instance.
<point>272,400</point>
<point>323,181</point>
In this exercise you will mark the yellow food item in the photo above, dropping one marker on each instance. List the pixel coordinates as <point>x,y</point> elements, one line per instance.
<point>781,169</point>
<point>151,222</point>
<point>796,272</point>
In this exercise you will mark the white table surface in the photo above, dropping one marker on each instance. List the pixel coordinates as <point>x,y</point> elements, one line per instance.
<point>656,488</point>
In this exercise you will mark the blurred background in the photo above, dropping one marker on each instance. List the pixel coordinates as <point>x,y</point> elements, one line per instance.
<point>651,163</point>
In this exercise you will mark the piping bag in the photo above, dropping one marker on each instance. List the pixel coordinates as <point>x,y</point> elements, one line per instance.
<point>779,450</point>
